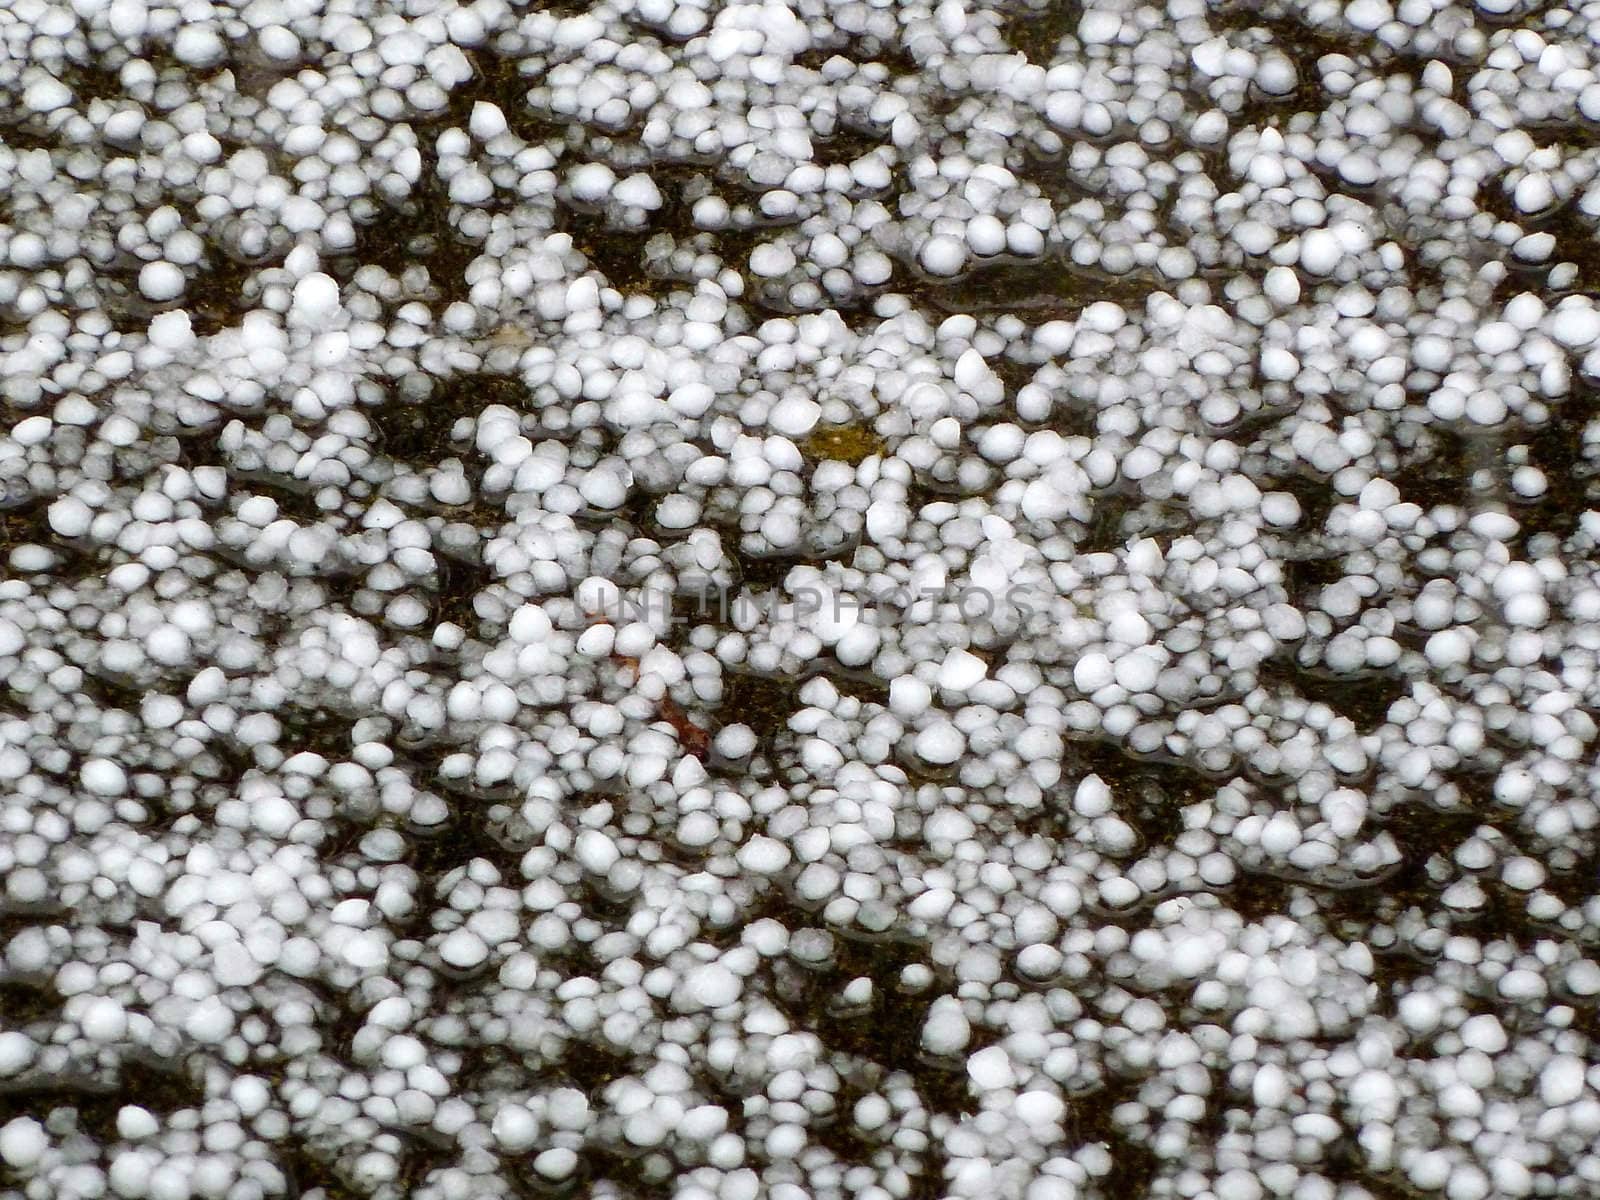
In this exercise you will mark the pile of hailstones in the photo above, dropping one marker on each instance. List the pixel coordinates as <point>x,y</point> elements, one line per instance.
<point>1143,740</point>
